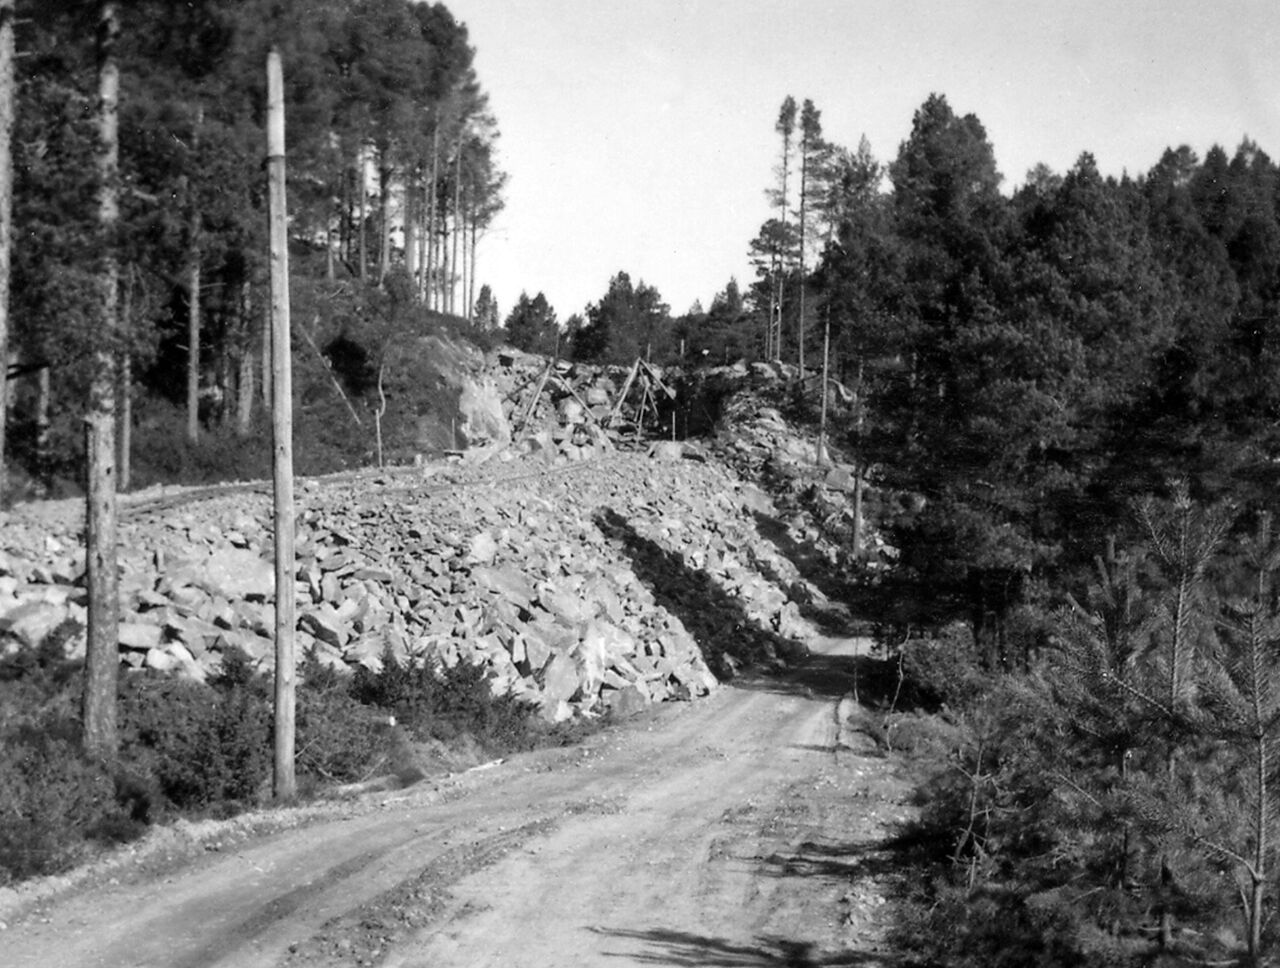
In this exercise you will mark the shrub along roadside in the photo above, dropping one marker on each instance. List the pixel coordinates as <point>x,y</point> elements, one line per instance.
<point>191,749</point>
<point>1118,802</point>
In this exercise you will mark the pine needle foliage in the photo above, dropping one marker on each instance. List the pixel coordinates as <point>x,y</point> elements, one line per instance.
<point>1170,676</point>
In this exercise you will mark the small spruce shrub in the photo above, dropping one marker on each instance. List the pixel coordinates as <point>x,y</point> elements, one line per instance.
<point>53,801</point>
<point>942,670</point>
<point>339,739</point>
<point>448,704</point>
<point>208,747</point>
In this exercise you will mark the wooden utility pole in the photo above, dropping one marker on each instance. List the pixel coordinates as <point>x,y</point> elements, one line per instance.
<point>285,782</point>
<point>7,100</point>
<point>102,658</point>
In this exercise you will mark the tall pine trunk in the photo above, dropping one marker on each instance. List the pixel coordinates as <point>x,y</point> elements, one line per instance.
<point>384,216</point>
<point>363,187</point>
<point>6,218</point>
<point>44,466</point>
<point>346,217</point>
<point>475,238</point>
<point>193,298</point>
<point>265,332</point>
<point>102,660</point>
<point>826,369</point>
<point>244,376</point>
<point>457,224</point>
<point>804,188</point>
<point>193,349</point>
<point>433,216</point>
<point>411,226</point>
<point>125,449</point>
<point>424,229</point>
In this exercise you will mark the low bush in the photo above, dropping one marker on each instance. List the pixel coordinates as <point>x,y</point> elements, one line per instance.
<point>206,746</point>
<point>339,739</point>
<point>448,704</point>
<point>205,749</point>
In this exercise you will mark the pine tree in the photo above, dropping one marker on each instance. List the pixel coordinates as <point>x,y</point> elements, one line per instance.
<point>813,151</point>
<point>779,249</point>
<point>531,325</point>
<point>485,313</point>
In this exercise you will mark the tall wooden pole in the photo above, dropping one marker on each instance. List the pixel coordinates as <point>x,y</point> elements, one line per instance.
<point>102,657</point>
<point>285,785</point>
<point>7,100</point>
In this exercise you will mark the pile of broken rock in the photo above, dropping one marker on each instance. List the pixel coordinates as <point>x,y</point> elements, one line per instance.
<point>597,585</point>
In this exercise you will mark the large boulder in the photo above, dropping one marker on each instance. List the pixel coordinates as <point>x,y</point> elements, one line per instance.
<point>235,573</point>
<point>31,622</point>
<point>481,421</point>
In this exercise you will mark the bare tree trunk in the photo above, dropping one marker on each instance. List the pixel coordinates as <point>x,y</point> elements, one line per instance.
<point>266,357</point>
<point>442,265</point>
<point>860,479</point>
<point>381,411</point>
<point>193,302</point>
<point>344,222</point>
<point>193,350</point>
<point>44,470</point>
<point>125,449</point>
<point>859,487</point>
<point>471,295</point>
<point>223,375</point>
<point>102,659</point>
<point>363,186</point>
<point>244,394</point>
<point>384,217</point>
<point>804,178</point>
<point>457,224</point>
<point>826,366</point>
<point>433,216</point>
<point>411,226</point>
<point>244,378</point>
<point>424,230</point>
<point>463,269</point>
<point>6,219</point>
<point>330,270</point>
<point>285,780</point>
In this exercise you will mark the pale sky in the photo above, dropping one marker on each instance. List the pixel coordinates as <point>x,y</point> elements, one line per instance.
<point>638,135</point>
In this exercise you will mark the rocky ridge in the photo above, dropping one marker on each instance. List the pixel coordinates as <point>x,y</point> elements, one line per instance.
<point>575,584</point>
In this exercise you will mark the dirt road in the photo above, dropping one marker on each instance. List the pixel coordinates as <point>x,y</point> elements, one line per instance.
<point>737,830</point>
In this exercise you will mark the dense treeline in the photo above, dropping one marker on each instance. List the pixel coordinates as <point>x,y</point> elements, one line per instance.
<point>1072,390</point>
<point>391,171</point>
<point>1026,364</point>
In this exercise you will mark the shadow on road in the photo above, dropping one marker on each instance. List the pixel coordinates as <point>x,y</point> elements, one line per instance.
<point>814,567</point>
<point>721,627</point>
<point>850,862</point>
<point>683,948</point>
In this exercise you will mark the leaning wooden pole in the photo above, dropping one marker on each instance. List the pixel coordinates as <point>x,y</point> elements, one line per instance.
<point>285,781</point>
